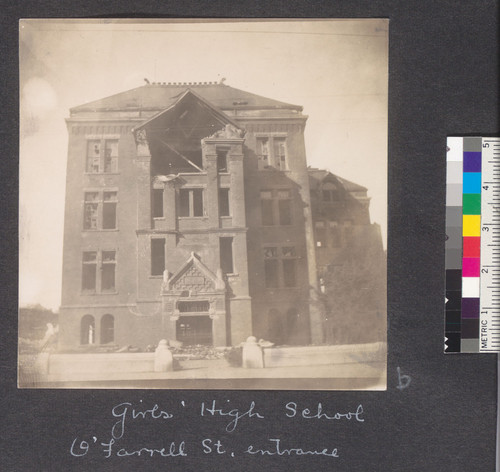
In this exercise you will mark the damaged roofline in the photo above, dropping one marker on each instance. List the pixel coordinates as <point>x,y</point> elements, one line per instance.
<point>219,114</point>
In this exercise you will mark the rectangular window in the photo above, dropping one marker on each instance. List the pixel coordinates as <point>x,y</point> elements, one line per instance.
<point>157,256</point>
<point>111,155</point>
<point>224,202</point>
<point>184,202</point>
<point>222,160</point>
<point>191,202</point>
<point>271,267</point>
<point>89,271</point>
<point>289,279</point>
<point>271,152</point>
<point>100,210</point>
<point>102,156</point>
<point>263,152</point>
<point>226,255</point>
<point>108,271</point>
<point>266,204</point>
<point>93,165</point>
<point>157,203</point>
<point>197,202</point>
<point>271,272</point>
<point>109,210</point>
<point>91,210</point>
<point>280,266</point>
<point>289,272</point>
<point>279,153</point>
<point>284,207</point>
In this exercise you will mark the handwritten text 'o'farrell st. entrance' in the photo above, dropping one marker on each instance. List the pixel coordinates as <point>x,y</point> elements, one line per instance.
<point>126,413</point>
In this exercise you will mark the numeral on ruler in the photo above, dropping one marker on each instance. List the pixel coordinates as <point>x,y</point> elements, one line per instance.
<point>489,329</point>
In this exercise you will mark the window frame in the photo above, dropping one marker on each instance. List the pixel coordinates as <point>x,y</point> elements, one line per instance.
<point>274,212</point>
<point>230,245</point>
<point>102,158</point>
<point>224,203</point>
<point>160,274</point>
<point>280,255</point>
<point>267,150</point>
<point>99,266</point>
<point>101,204</point>
<point>191,202</point>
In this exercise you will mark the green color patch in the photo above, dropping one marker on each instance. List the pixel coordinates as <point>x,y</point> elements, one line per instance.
<point>471,204</point>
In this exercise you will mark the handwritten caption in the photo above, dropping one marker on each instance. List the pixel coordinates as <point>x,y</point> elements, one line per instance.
<point>126,416</point>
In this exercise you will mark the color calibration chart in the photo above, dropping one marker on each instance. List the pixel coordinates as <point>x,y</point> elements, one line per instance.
<point>472,256</point>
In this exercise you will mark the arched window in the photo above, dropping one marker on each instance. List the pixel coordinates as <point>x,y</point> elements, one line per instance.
<point>107,329</point>
<point>87,330</point>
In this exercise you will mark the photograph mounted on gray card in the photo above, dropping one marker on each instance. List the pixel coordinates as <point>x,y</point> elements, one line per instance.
<point>203,204</point>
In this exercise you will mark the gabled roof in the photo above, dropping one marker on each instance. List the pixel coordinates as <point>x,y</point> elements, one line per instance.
<point>317,176</point>
<point>158,96</point>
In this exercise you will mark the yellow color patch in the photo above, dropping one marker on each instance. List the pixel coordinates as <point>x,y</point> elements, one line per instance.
<point>471,225</point>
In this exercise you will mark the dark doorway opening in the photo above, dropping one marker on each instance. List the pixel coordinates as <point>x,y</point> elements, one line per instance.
<point>192,330</point>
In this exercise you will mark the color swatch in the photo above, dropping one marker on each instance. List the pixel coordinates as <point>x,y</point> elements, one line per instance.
<point>472,306</point>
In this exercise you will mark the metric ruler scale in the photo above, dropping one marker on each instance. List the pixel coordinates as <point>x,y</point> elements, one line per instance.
<point>472,256</point>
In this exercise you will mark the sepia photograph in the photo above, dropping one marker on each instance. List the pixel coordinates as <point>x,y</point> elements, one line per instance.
<point>203,204</point>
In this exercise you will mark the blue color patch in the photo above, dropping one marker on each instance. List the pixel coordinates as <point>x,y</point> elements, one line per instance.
<point>472,182</point>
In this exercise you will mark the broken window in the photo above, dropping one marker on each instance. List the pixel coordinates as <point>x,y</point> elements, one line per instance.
<point>108,271</point>
<point>222,160</point>
<point>224,202</point>
<point>110,155</point>
<point>191,202</point>
<point>100,210</point>
<point>91,210</point>
<point>102,156</point>
<point>89,271</point>
<point>263,152</point>
<point>109,210</point>
<point>279,153</point>
<point>226,255</point>
<point>157,256</point>
<point>93,164</point>
<point>157,203</point>
<point>271,152</point>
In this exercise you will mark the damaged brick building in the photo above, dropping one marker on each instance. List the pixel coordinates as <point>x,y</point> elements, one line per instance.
<point>188,216</point>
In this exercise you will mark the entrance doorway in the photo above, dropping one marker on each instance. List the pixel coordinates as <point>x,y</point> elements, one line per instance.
<point>193,330</point>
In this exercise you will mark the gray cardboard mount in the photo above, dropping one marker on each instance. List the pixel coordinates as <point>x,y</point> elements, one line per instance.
<point>443,81</point>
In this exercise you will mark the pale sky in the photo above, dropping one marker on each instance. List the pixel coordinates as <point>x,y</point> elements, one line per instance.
<point>336,69</point>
